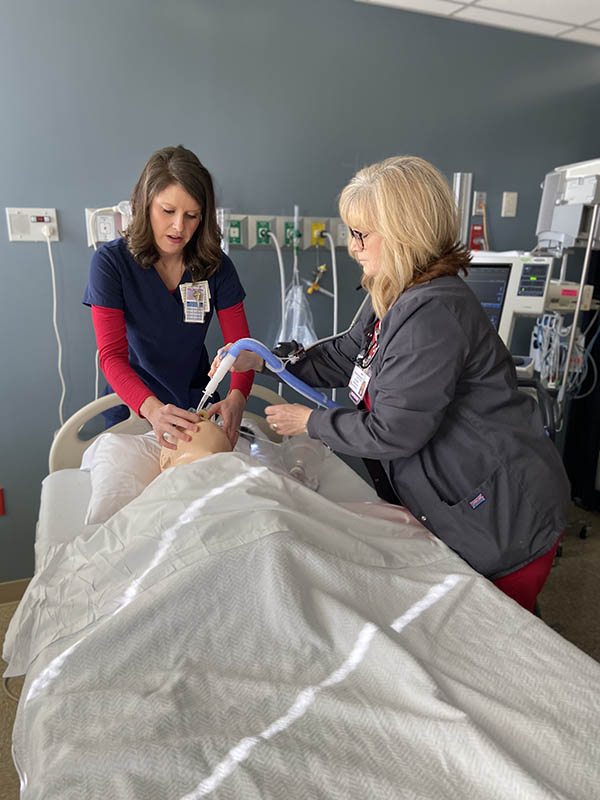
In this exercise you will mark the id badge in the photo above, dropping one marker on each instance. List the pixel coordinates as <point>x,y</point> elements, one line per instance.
<point>359,380</point>
<point>196,300</point>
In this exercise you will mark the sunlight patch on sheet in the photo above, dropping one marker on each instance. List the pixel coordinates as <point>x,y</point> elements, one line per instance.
<point>306,697</point>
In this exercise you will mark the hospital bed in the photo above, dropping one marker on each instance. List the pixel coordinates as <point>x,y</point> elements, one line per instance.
<point>230,633</point>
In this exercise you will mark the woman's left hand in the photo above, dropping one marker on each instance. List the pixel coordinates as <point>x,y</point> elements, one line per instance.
<point>231,410</point>
<point>288,419</point>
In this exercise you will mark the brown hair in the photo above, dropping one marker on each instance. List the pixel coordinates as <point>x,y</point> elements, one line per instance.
<point>408,201</point>
<point>202,254</point>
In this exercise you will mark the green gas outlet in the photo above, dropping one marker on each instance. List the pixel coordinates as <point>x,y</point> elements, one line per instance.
<point>263,228</point>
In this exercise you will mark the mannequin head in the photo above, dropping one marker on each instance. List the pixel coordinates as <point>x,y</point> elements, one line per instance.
<point>207,440</point>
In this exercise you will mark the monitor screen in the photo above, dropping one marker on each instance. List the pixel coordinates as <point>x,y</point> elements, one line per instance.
<point>488,282</point>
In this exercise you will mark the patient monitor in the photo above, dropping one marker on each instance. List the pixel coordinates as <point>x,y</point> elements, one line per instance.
<point>510,285</point>
<point>208,439</point>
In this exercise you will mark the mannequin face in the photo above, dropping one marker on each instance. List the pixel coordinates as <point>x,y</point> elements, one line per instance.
<point>207,440</point>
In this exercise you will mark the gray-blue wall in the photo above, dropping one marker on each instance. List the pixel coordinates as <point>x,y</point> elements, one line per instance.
<point>283,101</point>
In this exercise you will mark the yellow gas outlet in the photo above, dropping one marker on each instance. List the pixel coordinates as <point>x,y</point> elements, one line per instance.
<point>312,235</point>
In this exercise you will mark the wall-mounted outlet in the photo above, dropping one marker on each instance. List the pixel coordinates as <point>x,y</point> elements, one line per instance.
<point>479,201</point>
<point>312,229</point>
<point>26,224</point>
<point>238,230</point>
<point>259,230</point>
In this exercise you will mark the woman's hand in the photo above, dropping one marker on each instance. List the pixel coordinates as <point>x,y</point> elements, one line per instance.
<point>231,410</point>
<point>288,419</point>
<point>246,360</point>
<point>169,422</point>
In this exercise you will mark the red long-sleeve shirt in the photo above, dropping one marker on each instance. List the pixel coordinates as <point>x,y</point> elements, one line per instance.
<point>111,339</point>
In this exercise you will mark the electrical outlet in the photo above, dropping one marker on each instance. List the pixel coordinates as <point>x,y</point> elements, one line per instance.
<point>479,201</point>
<point>26,224</point>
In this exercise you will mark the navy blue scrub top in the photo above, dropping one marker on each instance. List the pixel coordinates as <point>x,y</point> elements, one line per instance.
<point>166,352</point>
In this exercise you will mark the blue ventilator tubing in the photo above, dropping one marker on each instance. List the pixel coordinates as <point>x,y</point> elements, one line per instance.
<point>274,363</point>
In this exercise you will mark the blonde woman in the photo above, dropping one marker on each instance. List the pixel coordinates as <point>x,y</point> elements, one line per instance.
<point>434,387</point>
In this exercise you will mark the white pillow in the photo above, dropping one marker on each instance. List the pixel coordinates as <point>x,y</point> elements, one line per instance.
<point>121,465</point>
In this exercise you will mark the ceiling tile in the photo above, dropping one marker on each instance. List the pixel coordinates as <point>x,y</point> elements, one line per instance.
<point>585,35</point>
<point>571,12</point>
<point>441,7</point>
<point>499,19</point>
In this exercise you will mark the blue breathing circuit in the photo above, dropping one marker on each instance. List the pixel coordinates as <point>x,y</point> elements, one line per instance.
<point>274,363</point>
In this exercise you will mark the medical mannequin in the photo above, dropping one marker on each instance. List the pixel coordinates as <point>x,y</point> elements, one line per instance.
<point>208,439</point>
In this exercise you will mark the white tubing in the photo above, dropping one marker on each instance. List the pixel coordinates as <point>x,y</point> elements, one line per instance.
<point>329,238</point>
<point>282,287</point>
<point>97,383</point>
<point>47,233</point>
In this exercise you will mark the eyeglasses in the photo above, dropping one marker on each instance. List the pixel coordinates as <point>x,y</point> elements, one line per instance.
<point>358,237</point>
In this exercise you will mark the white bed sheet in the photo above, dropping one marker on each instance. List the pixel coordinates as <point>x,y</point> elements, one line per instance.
<point>189,648</point>
<point>66,493</point>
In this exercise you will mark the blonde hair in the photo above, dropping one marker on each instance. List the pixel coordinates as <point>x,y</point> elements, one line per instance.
<point>409,203</point>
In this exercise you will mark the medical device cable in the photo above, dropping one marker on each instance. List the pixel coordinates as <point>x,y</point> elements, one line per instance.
<point>485,233</point>
<point>7,690</point>
<point>47,231</point>
<point>282,287</point>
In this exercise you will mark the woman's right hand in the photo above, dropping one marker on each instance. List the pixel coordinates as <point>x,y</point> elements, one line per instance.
<point>246,361</point>
<point>169,422</point>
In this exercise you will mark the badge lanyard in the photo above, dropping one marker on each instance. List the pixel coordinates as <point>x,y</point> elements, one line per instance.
<point>361,375</point>
<point>196,300</point>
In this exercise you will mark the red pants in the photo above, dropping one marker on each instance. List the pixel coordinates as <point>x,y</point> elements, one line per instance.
<point>526,583</point>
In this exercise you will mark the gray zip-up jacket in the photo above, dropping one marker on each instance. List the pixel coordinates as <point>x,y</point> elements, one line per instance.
<point>463,448</point>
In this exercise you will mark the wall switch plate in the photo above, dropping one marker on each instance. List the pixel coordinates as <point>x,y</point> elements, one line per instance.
<point>479,201</point>
<point>25,224</point>
<point>509,204</point>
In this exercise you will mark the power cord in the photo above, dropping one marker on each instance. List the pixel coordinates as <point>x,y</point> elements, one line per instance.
<point>47,230</point>
<point>7,690</point>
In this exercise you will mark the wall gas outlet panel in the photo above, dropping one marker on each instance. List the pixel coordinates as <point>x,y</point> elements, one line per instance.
<point>238,230</point>
<point>259,229</point>
<point>312,229</point>
<point>26,224</point>
<point>284,230</point>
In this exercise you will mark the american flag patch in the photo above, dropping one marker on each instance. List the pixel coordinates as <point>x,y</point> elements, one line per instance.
<point>477,501</point>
